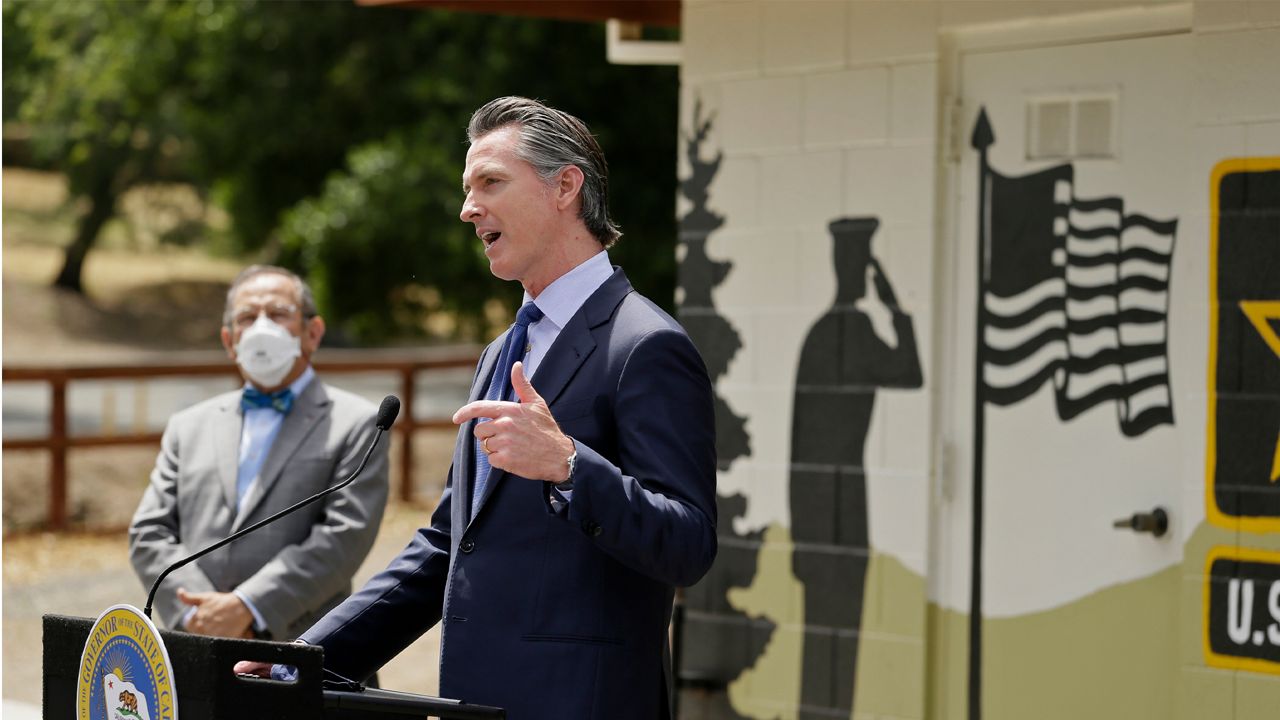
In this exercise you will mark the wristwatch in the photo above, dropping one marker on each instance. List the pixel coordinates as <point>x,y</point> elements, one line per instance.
<point>572,460</point>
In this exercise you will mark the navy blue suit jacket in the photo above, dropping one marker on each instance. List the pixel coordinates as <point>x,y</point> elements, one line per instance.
<point>563,615</point>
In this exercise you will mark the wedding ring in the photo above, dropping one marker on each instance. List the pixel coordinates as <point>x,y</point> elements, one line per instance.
<point>484,444</point>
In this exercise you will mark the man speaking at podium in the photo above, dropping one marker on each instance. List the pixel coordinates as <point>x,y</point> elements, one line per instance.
<point>583,482</point>
<point>235,459</point>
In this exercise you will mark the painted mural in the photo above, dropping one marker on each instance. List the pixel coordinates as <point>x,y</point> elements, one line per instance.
<point>844,360</point>
<point>814,576</point>
<point>1242,591</point>
<point>717,641</point>
<point>1087,281</point>
<point>1074,292</point>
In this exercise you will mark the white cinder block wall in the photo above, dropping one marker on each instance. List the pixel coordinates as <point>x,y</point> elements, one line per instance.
<point>819,117</point>
<point>824,110</point>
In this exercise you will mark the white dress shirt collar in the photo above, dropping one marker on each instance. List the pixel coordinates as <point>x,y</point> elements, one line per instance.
<point>562,298</point>
<point>559,302</point>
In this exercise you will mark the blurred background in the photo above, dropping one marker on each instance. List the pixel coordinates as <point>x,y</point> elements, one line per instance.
<point>153,149</point>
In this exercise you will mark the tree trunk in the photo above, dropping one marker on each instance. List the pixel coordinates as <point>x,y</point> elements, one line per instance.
<point>104,204</point>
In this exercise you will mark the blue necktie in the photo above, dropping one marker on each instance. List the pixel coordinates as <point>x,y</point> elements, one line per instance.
<point>281,400</point>
<point>513,348</point>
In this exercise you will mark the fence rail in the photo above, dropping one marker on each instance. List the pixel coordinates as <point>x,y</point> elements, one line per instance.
<point>58,441</point>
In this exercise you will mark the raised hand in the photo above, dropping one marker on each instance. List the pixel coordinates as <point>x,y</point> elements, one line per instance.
<point>883,289</point>
<point>521,437</point>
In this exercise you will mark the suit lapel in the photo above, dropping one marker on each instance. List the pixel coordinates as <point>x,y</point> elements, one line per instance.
<point>576,341</point>
<point>564,358</point>
<point>226,447</point>
<point>298,424</point>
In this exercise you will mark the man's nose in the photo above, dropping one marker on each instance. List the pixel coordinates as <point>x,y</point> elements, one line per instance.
<point>470,210</point>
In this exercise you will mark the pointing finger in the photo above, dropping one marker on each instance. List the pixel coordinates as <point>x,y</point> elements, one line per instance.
<point>482,409</point>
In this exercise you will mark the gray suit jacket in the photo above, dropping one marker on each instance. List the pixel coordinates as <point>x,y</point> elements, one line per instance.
<point>293,570</point>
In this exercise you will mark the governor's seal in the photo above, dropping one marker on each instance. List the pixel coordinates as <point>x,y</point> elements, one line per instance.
<point>125,673</point>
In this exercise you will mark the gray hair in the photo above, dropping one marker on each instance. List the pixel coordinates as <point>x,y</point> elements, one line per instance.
<point>306,300</point>
<point>551,140</point>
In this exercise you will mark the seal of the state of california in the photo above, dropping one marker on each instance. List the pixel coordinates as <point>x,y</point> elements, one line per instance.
<point>125,673</point>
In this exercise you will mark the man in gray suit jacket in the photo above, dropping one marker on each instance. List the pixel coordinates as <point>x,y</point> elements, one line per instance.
<point>242,456</point>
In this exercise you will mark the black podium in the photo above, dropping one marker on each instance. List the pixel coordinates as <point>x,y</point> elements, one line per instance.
<point>208,689</point>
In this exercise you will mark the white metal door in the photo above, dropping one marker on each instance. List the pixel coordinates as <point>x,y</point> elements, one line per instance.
<point>1070,186</point>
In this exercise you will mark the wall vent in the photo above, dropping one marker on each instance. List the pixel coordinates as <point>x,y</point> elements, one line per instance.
<point>1062,127</point>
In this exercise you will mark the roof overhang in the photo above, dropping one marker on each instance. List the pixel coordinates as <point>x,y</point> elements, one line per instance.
<point>658,13</point>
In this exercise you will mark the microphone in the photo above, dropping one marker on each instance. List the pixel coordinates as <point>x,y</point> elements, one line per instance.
<point>387,413</point>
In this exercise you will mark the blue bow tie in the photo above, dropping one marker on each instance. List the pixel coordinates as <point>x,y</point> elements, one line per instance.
<point>281,400</point>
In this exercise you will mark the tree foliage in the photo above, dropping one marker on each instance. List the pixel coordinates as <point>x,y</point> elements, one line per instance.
<point>334,135</point>
<point>388,221</point>
<point>103,85</point>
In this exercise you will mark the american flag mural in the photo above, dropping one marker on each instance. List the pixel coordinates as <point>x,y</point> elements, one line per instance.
<point>1076,295</point>
<point>1072,291</point>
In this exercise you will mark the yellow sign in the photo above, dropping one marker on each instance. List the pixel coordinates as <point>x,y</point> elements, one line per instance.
<point>1242,445</point>
<point>1242,609</point>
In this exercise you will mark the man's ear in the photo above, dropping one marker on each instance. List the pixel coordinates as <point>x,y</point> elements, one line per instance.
<point>312,334</point>
<point>568,186</point>
<point>227,344</point>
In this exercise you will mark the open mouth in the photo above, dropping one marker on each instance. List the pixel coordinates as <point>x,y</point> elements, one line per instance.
<point>490,238</point>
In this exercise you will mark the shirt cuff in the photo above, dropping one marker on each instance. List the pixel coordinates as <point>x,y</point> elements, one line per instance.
<point>558,498</point>
<point>258,623</point>
<point>287,673</point>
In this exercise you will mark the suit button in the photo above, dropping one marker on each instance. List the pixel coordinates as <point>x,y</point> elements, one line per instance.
<point>467,545</point>
<point>592,528</point>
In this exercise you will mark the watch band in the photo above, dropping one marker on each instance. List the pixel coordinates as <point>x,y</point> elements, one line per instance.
<point>572,460</point>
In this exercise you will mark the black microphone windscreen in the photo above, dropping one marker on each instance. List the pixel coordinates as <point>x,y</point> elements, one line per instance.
<point>388,411</point>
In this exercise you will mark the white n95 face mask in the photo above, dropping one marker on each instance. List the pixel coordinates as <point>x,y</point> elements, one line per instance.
<point>266,352</point>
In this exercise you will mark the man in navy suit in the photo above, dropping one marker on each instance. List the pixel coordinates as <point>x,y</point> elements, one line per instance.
<point>582,490</point>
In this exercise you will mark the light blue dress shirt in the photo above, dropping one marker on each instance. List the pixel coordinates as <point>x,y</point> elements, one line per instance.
<point>559,302</point>
<point>258,434</point>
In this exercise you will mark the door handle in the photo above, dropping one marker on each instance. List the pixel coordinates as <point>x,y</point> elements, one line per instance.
<point>1155,522</point>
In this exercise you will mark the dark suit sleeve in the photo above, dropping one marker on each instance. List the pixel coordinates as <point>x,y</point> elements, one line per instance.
<point>394,608</point>
<point>654,511</point>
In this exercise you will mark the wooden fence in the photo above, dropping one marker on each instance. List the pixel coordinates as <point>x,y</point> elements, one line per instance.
<point>58,441</point>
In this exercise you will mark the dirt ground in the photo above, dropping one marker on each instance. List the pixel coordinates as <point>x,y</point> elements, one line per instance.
<point>143,301</point>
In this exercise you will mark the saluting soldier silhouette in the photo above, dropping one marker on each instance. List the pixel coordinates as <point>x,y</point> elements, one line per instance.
<point>842,363</point>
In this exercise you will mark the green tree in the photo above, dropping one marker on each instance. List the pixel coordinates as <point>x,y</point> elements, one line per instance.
<point>256,101</point>
<point>333,134</point>
<point>382,244</point>
<point>102,84</point>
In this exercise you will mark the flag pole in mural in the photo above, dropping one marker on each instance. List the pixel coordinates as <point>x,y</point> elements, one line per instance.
<point>1070,291</point>
<point>981,140</point>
